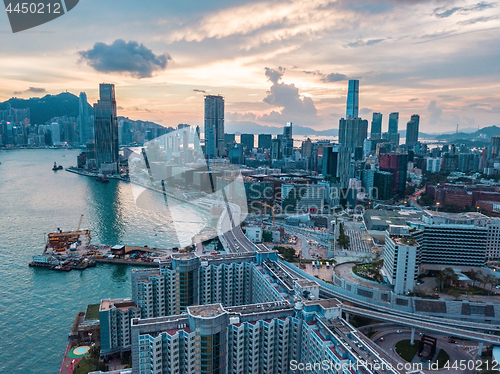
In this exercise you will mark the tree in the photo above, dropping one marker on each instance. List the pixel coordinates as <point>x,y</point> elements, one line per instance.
<point>446,276</point>
<point>491,280</point>
<point>450,275</point>
<point>474,276</point>
<point>343,239</point>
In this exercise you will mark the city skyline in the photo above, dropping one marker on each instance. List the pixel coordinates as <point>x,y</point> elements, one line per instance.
<point>421,69</point>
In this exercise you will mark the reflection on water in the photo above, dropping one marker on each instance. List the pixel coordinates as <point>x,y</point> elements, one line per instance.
<point>120,274</point>
<point>106,215</point>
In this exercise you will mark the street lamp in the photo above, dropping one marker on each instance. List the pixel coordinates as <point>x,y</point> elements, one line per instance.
<point>437,206</point>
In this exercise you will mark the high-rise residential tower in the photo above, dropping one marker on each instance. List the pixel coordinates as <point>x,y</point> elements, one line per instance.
<point>393,135</point>
<point>247,141</point>
<point>84,119</point>
<point>106,129</point>
<point>393,123</point>
<point>376,129</point>
<point>214,126</point>
<point>265,141</point>
<point>412,131</point>
<point>353,99</point>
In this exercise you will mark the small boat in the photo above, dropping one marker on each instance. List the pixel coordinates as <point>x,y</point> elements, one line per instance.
<point>102,178</point>
<point>57,167</point>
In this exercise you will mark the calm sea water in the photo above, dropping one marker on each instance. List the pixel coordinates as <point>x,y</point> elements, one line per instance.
<point>38,306</point>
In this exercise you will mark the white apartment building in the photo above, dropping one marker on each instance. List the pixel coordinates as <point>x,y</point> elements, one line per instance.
<point>400,259</point>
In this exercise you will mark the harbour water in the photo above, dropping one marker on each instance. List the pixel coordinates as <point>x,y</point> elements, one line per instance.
<point>38,306</point>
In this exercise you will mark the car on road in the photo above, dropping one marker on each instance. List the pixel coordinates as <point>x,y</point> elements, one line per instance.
<point>421,334</point>
<point>399,332</point>
<point>382,339</point>
<point>452,341</point>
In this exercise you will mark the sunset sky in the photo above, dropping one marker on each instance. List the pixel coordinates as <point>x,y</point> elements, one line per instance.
<point>274,61</point>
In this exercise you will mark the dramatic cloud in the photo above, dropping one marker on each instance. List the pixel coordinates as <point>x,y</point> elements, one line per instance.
<point>286,97</point>
<point>364,43</point>
<point>200,91</point>
<point>275,75</point>
<point>332,77</point>
<point>444,13</point>
<point>126,58</point>
<point>434,113</point>
<point>36,90</point>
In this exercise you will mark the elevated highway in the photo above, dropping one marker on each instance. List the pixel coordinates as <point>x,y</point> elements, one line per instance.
<point>327,292</point>
<point>235,241</point>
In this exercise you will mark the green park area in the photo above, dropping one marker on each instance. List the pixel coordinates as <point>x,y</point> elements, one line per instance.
<point>370,271</point>
<point>406,350</point>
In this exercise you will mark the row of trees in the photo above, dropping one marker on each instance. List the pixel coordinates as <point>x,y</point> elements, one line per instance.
<point>448,276</point>
<point>343,239</point>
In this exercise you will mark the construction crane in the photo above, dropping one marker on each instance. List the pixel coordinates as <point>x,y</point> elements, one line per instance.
<point>80,222</point>
<point>269,206</point>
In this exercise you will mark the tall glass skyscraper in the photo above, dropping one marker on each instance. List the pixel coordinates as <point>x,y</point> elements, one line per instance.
<point>214,126</point>
<point>412,131</point>
<point>353,99</point>
<point>106,129</point>
<point>393,123</point>
<point>376,130</point>
<point>288,140</point>
<point>84,121</point>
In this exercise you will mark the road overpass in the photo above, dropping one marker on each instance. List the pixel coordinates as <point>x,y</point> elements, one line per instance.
<point>328,292</point>
<point>422,325</point>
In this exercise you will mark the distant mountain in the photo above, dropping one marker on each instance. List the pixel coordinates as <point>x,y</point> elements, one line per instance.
<point>47,107</point>
<point>248,127</point>
<point>143,124</point>
<point>483,134</point>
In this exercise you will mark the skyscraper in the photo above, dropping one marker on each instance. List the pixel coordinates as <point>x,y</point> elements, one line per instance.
<point>393,123</point>
<point>495,146</point>
<point>214,126</point>
<point>397,165</point>
<point>376,129</point>
<point>84,121</point>
<point>352,132</point>
<point>287,140</point>
<point>247,141</point>
<point>412,131</point>
<point>265,141</point>
<point>336,163</point>
<point>106,129</point>
<point>353,99</point>
<point>393,134</point>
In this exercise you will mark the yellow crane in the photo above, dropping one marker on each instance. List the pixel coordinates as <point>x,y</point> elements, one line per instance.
<point>80,222</point>
<point>269,206</point>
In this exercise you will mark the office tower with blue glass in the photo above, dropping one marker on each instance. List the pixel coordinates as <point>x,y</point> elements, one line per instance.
<point>84,120</point>
<point>214,126</point>
<point>393,135</point>
<point>106,130</point>
<point>352,99</point>
<point>412,131</point>
<point>376,129</point>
